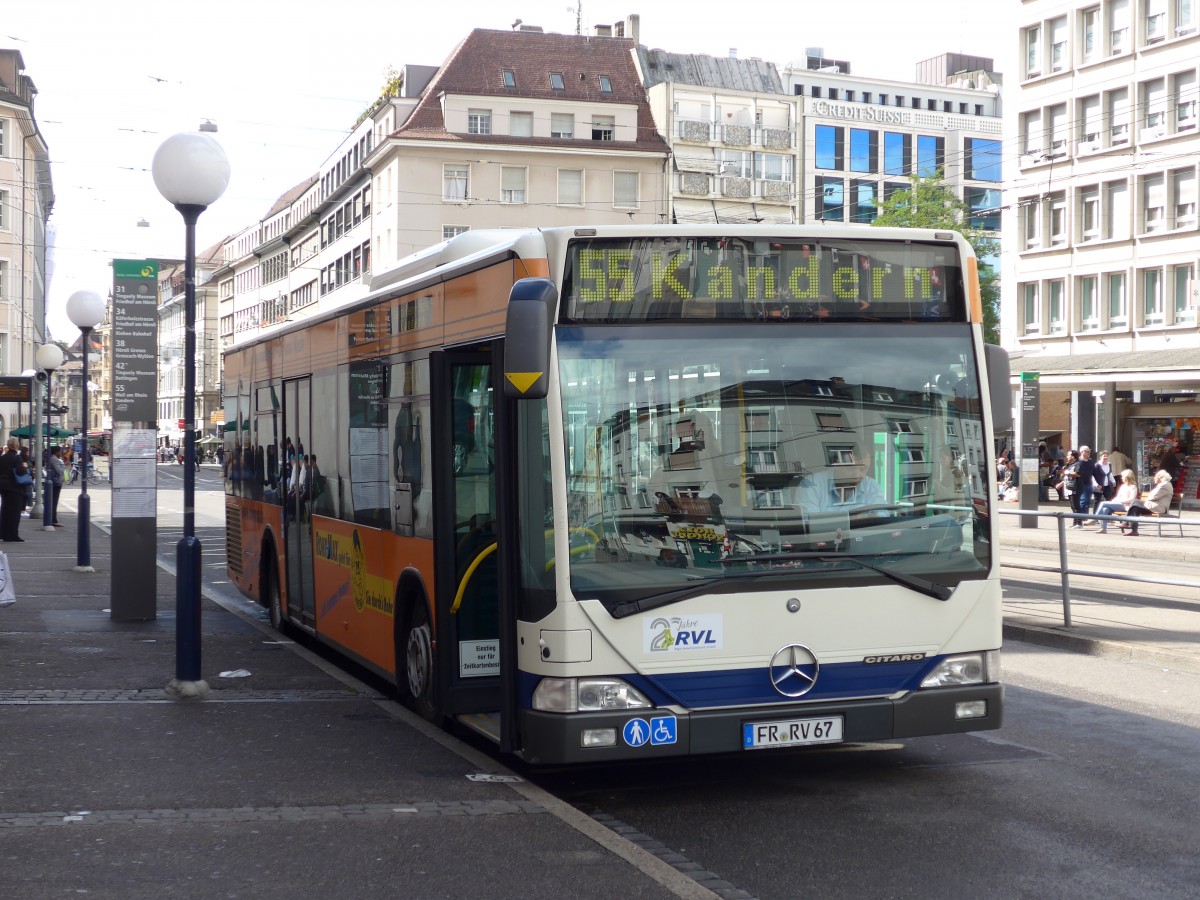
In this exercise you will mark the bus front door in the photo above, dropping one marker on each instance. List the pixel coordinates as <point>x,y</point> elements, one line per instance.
<point>467,524</point>
<point>297,515</point>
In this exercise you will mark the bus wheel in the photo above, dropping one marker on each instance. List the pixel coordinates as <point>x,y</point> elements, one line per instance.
<point>418,674</point>
<point>274,599</point>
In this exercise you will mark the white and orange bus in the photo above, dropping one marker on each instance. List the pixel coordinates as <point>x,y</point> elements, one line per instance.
<point>620,492</point>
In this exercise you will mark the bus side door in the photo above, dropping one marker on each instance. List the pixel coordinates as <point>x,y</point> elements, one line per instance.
<point>467,528</point>
<point>294,495</point>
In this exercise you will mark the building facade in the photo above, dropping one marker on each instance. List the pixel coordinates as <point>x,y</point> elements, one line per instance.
<point>1099,271</point>
<point>172,336</point>
<point>515,129</point>
<point>26,201</point>
<point>751,143</point>
<point>867,136</point>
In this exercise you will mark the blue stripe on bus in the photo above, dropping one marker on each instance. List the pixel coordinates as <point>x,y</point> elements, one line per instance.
<point>743,687</point>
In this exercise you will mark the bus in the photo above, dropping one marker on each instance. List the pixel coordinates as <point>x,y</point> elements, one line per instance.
<point>615,493</point>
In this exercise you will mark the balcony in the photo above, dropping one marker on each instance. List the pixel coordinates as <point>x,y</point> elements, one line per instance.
<point>694,130</point>
<point>738,188</point>
<point>737,135</point>
<point>773,476</point>
<point>697,131</point>
<point>700,184</point>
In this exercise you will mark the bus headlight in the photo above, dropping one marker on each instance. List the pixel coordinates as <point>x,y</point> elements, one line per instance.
<point>568,695</point>
<point>967,668</point>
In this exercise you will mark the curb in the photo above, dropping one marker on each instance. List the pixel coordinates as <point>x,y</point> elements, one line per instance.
<point>1066,640</point>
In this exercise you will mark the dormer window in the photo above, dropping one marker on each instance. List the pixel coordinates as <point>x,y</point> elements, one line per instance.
<point>510,80</point>
<point>605,85</point>
<point>556,81</point>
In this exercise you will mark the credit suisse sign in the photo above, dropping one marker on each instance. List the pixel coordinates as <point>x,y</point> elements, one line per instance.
<point>860,112</point>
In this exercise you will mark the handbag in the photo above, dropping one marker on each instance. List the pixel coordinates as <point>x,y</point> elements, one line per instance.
<point>8,596</point>
<point>22,478</point>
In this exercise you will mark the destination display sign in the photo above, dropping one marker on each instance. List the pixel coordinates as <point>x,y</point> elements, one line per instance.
<point>16,389</point>
<point>642,279</point>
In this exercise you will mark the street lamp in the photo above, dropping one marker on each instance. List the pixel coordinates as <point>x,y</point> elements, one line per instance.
<point>191,171</point>
<point>85,309</point>
<point>49,357</point>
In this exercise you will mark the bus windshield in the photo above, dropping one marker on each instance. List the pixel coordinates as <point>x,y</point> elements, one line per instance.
<point>712,457</point>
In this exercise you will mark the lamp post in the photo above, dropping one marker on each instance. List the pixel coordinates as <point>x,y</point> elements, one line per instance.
<point>85,309</point>
<point>49,357</point>
<point>191,171</point>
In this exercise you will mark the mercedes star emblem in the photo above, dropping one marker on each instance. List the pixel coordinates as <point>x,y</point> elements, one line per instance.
<point>794,670</point>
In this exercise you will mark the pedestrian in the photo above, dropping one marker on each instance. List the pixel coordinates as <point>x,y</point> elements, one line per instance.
<point>1120,462</point>
<point>29,484</point>
<point>1070,474</point>
<point>54,481</point>
<point>316,483</point>
<point>1169,462</point>
<point>1008,481</point>
<point>1085,484</point>
<point>1157,502</point>
<point>1053,479</point>
<point>1105,481</point>
<point>297,496</point>
<point>12,492</point>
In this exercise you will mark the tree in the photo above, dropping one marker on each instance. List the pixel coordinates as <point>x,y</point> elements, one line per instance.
<point>392,85</point>
<point>931,203</point>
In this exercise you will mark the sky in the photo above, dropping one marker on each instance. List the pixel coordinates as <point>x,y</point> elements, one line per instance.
<point>284,82</point>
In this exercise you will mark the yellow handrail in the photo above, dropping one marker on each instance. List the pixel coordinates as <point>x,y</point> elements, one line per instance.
<point>462,585</point>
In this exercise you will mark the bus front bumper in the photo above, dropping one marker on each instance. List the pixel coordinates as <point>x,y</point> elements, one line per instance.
<point>557,739</point>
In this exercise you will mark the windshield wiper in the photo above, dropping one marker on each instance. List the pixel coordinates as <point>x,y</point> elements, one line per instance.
<point>632,607</point>
<point>921,585</point>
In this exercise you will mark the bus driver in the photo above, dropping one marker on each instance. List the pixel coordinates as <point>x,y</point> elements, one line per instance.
<point>845,487</point>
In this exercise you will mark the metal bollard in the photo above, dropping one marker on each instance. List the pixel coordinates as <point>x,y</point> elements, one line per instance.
<point>1062,564</point>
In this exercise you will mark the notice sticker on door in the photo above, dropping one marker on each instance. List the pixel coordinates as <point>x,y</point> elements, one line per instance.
<point>478,658</point>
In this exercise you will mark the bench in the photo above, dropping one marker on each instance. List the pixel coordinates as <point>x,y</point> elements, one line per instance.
<point>1157,518</point>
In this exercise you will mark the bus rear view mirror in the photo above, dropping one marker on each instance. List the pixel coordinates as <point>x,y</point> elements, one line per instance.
<point>998,373</point>
<point>527,329</point>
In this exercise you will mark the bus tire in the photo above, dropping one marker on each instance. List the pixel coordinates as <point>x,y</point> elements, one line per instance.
<point>417,678</point>
<point>272,595</point>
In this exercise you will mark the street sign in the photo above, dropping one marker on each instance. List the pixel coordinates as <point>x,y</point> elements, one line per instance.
<point>135,436</point>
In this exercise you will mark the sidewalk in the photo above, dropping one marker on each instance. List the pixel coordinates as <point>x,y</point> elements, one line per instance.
<point>292,779</point>
<point>1155,624</point>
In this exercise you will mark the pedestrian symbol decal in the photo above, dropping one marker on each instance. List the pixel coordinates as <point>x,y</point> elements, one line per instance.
<point>636,732</point>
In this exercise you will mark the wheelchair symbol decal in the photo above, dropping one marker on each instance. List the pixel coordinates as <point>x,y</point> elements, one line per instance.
<point>663,730</point>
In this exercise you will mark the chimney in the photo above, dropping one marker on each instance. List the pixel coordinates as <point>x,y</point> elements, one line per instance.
<point>619,29</point>
<point>635,28</point>
<point>733,52</point>
<point>603,31</point>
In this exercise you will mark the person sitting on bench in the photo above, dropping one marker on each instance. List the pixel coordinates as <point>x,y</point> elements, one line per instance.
<point>1156,503</point>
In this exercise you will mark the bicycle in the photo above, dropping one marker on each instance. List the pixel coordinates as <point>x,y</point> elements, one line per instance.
<point>73,473</point>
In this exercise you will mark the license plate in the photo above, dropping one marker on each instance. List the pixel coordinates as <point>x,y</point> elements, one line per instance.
<point>791,732</point>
